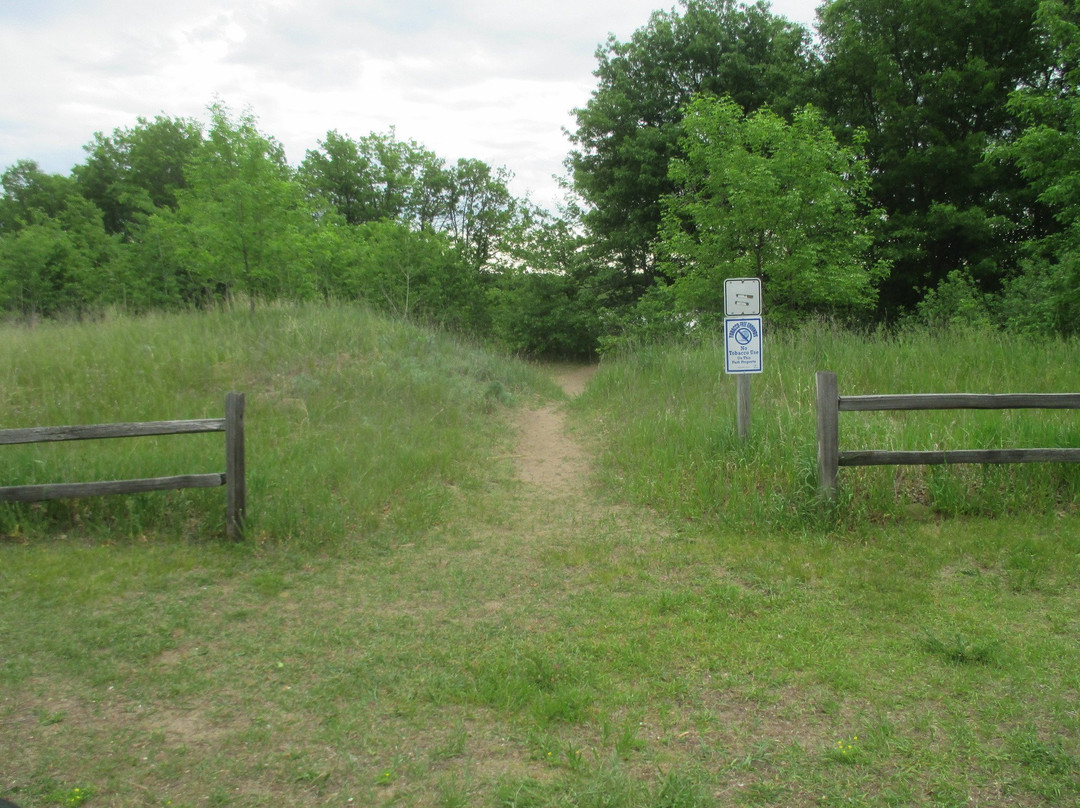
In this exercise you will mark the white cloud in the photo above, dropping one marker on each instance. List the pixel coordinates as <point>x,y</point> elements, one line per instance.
<point>491,79</point>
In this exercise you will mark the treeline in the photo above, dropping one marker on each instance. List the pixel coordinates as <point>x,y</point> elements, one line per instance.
<point>167,214</point>
<point>906,160</point>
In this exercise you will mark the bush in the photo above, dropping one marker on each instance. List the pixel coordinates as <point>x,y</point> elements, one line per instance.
<point>545,315</point>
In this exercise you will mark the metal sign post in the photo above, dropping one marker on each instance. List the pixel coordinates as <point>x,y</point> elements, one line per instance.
<point>742,342</point>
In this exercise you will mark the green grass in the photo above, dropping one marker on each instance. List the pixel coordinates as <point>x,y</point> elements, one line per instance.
<point>626,648</point>
<point>671,439</point>
<point>353,422</point>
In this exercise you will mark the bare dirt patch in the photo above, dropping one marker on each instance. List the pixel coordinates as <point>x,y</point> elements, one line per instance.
<point>548,456</point>
<point>573,378</point>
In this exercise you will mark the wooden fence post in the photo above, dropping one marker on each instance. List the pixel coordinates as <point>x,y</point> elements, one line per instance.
<point>828,431</point>
<point>742,406</point>
<point>235,484</point>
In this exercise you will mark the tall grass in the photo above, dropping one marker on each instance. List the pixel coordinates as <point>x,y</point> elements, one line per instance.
<point>670,436</point>
<point>354,422</point>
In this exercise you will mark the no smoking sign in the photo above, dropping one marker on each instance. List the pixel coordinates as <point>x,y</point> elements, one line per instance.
<point>742,345</point>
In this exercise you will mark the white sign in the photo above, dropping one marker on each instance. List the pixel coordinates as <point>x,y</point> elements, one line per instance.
<point>742,345</point>
<point>742,297</point>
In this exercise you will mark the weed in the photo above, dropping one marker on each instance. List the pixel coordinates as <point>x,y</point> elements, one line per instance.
<point>453,793</point>
<point>846,750</point>
<point>1043,756</point>
<point>627,741</point>
<point>957,648</point>
<point>48,717</point>
<point>683,789</point>
<point>70,798</point>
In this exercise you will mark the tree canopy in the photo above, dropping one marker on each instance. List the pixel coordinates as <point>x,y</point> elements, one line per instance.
<point>1047,154</point>
<point>133,171</point>
<point>629,130</point>
<point>929,84</point>
<point>758,197</point>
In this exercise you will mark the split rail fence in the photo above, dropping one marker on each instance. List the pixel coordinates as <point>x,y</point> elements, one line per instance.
<point>233,478</point>
<point>830,403</point>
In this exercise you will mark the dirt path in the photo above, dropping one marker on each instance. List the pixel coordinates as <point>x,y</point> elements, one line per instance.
<point>548,457</point>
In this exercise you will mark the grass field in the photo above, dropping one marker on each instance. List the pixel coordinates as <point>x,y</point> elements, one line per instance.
<point>407,623</point>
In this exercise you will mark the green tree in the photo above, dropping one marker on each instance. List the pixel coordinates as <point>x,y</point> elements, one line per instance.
<point>379,178</point>
<point>1047,293</point>
<point>336,172</point>
<point>157,266</point>
<point>133,171</point>
<point>414,275</point>
<point>245,224</point>
<point>630,128</point>
<point>480,211</point>
<point>30,194</point>
<point>759,197</point>
<point>54,252</point>
<point>545,314</point>
<point>376,177</point>
<point>548,300</point>
<point>40,268</point>
<point>928,83</point>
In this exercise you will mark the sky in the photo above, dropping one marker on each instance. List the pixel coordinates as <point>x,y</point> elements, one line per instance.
<point>494,80</point>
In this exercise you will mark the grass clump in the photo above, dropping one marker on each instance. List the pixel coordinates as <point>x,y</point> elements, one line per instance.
<point>960,649</point>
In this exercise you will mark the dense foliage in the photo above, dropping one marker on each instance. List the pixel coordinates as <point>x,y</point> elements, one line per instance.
<point>904,160</point>
<point>962,108</point>
<point>170,215</point>
<point>758,197</point>
<point>630,128</point>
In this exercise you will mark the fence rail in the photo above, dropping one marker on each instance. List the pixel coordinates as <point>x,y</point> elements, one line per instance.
<point>830,403</point>
<point>233,477</point>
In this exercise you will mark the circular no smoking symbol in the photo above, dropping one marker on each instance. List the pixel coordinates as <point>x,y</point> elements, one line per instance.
<point>743,335</point>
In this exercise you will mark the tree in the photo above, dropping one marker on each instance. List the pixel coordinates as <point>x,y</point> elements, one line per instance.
<point>545,314</point>
<point>374,178</point>
<point>336,172</point>
<point>759,197</point>
<point>54,252</point>
<point>928,83</point>
<point>39,269</point>
<point>379,178</point>
<point>630,128</point>
<point>1047,152</point>
<point>414,275</point>
<point>134,171</point>
<point>245,222</point>
<point>548,300</point>
<point>30,194</point>
<point>479,210</point>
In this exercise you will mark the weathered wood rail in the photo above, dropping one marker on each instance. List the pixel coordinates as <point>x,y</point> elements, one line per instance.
<point>233,478</point>
<point>830,403</point>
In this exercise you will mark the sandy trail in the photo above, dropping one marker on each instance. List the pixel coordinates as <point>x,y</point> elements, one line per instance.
<point>548,457</point>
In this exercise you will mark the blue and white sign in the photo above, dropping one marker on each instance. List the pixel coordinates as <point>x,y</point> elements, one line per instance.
<point>742,345</point>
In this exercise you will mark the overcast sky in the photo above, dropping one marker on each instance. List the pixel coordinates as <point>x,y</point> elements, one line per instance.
<point>494,80</point>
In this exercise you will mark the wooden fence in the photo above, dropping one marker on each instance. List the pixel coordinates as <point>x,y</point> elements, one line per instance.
<point>830,403</point>
<point>233,478</point>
